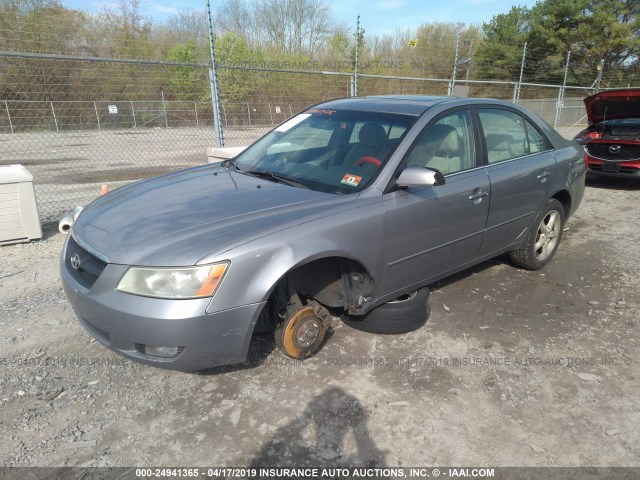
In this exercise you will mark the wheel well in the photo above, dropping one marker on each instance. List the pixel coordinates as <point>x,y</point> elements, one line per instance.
<point>564,197</point>
<point>334,282</point>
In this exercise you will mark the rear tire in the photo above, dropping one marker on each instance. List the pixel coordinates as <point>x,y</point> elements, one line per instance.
<point>405,314</point>
<point>542,239</point>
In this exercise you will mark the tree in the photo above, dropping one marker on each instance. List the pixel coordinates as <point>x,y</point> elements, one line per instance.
<point>238,17</point>
<point>591,29</point>
<point>499,56</point>
<point>187,83</point>
<point>190,26</point>
<point>294,26</point>
<point>125,31</point>
<point>233,51</point>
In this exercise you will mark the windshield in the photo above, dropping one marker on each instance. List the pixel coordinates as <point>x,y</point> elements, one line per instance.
<point>333,151</point>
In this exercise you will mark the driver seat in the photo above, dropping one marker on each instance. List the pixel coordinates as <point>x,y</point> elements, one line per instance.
<point>371,141</point>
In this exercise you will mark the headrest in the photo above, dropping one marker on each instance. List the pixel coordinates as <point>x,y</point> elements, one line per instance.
<point>498,142</point>
<point>441,140</point>
<point>449,145</point>
<point>372,135</point>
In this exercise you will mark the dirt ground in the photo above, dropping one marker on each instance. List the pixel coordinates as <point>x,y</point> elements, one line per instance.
<point>514,368</point>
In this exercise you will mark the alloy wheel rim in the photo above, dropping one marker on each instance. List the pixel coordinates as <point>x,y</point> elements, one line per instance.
<point>547,236</point>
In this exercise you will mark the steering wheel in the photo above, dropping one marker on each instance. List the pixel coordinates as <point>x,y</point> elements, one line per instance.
<point>367,159</point>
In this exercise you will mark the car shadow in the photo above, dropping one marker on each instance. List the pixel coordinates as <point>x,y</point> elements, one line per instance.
<point>614,183</point>
<point>331,431</point>
<point>456,277</point>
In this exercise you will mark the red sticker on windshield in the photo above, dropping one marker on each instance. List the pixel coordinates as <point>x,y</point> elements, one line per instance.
<point>320,111</point>
<point>351,180</point>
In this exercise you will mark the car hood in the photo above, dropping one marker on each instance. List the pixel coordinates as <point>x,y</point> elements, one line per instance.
<point>611,105</point>
<point>178,219</point>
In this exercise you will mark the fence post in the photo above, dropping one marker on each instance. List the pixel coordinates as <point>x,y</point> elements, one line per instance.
<point>97,116</point>
<point>6,106</point>
<point>133,112</point>
<point>354,85</point>
<point>249,113</point>
<point>516,90</point>
<point>213,82</point>
<point>599,79</point>
<point>195,107</point>
<point>452,83</point>
<point>560,103</point>
<point>55,120</point>
<point>271,114</point>
<point>164,109</point>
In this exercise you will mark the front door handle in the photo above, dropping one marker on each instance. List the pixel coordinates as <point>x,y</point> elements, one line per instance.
<point>477,195</point>
<point>543,176</point>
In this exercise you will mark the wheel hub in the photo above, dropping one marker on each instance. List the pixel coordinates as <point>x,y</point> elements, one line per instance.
<point>307,332</point>
<point>300,334</point>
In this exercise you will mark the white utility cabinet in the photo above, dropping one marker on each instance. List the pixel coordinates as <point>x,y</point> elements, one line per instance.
<point>19,220</point>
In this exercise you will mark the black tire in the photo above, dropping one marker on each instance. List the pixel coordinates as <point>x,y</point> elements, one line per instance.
<point>405,314</point>
<point>532,255</point>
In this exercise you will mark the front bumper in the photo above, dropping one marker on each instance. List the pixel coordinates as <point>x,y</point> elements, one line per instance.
<point>130,324</point>
<point>603,168</point>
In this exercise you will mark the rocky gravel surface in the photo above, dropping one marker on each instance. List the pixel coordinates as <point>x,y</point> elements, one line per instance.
<point>514,368</point>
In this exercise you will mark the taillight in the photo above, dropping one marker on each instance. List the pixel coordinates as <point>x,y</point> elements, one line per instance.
<point>593,135</point>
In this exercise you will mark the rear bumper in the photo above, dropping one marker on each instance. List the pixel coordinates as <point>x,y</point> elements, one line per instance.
<point>129,324</point>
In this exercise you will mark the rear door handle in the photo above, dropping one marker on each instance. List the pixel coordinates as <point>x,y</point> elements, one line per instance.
<point>477,196</point>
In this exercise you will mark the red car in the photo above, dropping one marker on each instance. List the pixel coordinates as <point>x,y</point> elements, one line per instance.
<point>612,141</point>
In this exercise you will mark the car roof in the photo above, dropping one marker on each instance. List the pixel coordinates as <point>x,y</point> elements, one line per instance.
<point>401,104</point>
<point>416,105</point>
<point>404,104</point>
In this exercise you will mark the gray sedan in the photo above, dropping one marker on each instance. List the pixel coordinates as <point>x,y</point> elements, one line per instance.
<point>352,208</point>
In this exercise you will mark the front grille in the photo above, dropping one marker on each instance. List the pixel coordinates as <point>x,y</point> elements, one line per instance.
<point>604,151</point>
<point>90,267</point>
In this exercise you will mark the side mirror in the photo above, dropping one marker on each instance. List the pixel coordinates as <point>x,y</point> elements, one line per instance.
<point>415,176</point>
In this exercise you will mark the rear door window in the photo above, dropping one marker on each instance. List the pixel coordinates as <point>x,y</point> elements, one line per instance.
<point>509,135</point>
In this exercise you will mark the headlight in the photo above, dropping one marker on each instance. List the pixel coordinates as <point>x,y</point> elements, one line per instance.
<point>170,282</point>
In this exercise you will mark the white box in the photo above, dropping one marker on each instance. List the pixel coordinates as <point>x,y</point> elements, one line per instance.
<point>19,220</point>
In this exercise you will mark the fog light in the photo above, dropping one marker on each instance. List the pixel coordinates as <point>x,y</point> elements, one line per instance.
<point>164,352</point>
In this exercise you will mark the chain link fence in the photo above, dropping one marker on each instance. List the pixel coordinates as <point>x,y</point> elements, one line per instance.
<point>78,124</point>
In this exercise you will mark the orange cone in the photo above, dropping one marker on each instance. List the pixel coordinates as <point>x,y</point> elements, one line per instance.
<point>104,189</point>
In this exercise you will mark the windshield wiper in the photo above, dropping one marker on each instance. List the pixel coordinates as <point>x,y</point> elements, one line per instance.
<point>275,177</point>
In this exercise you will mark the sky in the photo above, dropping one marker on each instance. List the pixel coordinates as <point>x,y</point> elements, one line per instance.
<point>376,16</point>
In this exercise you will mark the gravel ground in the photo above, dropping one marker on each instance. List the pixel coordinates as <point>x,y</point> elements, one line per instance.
<point>514,368</point>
